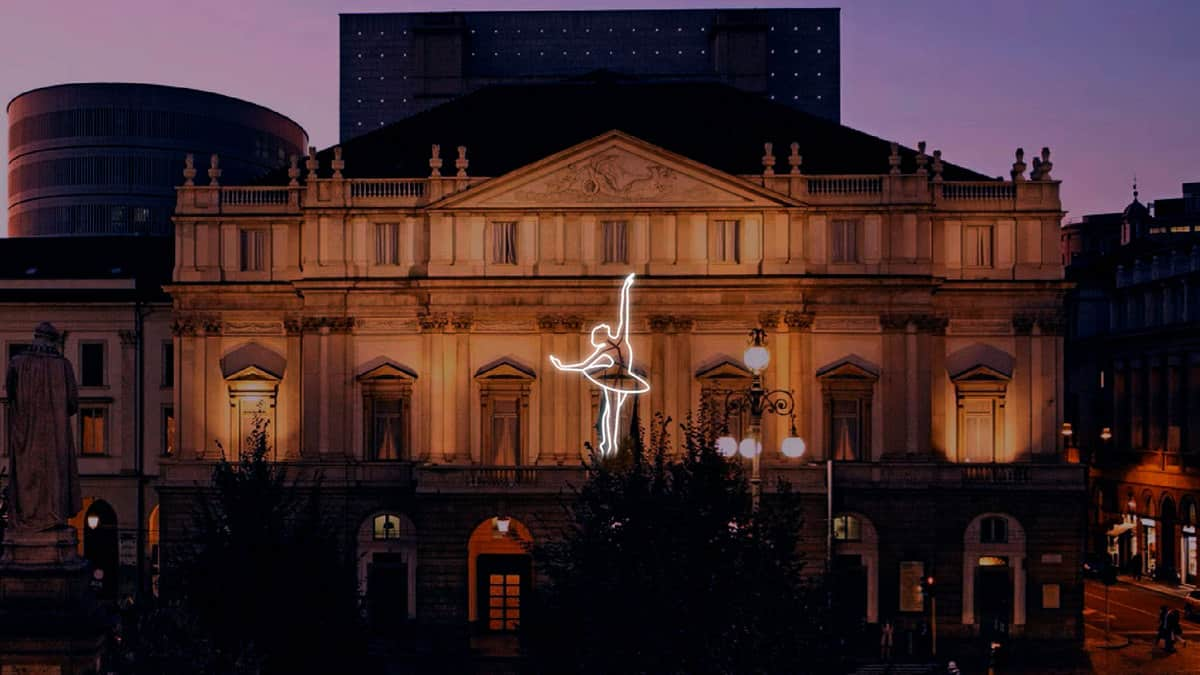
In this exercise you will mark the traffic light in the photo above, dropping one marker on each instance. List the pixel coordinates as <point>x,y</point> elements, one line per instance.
<point>928,585</point>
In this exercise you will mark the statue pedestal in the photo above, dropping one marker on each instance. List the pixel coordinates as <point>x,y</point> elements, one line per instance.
<point>49,620</point>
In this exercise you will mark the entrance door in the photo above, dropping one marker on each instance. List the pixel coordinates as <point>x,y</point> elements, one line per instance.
<point>850,590</point>
<point>503,585</point>
<point>993,596</point>
<point>387,591</point>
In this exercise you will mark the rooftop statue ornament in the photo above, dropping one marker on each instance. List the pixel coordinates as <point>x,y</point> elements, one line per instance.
<point>937,166</point>
<point>293,170</point>
<point>922,159</point>
<point>795,160</point>
<point>610,367</point>
<point>768,159</point>
<point>338,163</point>
<point>214,170</point>
<point>311,164</point>
<point>435,161</point>
<point>43,473</point>
<point>1018,167</point>
<point>189,169</point>
<point>1045,165</point>
<point>894,159</point>
<point>461,163</point>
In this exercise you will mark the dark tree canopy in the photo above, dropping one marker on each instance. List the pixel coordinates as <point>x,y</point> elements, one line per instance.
<point>260,583</point>
<point>666,568</point>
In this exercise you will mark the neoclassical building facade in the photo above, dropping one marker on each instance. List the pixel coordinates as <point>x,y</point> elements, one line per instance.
<point>391,309</point>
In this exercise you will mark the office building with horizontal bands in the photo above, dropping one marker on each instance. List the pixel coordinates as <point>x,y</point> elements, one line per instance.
<point>102,158</point>
<point>398,64</point>
<point>391,306</point>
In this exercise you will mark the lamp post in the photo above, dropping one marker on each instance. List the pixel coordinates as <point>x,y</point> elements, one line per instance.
<point>757,401</point>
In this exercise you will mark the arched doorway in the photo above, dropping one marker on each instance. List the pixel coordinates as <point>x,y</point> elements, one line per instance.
<point>387,570</point>
<point>1187,541</point>
<point>500,575</point>
<point>1166,570</point>
<point>153,539</point>
<point>100,547</point>
<point>994,574</point>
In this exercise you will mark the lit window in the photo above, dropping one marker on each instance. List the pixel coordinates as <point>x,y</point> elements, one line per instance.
<point>993,530</point>
<point>386,526</point>
<point>504,243</point>
<point>387,244</point>
<point>168,431</point>
<point>615,239</point>
<point>93,430</point>
<point>253,250</point>
<point>847,528</point>
<point>728,241</point>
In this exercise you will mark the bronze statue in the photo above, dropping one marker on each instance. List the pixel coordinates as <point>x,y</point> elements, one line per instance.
<point>43,490</point>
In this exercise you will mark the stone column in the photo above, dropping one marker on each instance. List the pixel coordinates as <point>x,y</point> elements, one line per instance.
<point>897,392</point>
<point>215,424</point>
<point>1174,402</point>
<point>1020,394</point>
<point>549,386</point>
<point>433,325</point>
<point>461,379</point>
<point>799,325</point>
<point>683,377</point>
<point>932,419</point>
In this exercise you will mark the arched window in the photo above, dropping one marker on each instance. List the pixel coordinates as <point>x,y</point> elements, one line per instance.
<point>386,526</point>
<point>847,528</point>
<point>993,530</point>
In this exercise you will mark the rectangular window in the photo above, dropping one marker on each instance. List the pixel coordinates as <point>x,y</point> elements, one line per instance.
<point>728,241</point>
<point>979,430</point>
<point>387,432</point>
<point>253,250</point>
<point>387,244</point>
<point>846,429</point>
<point>504,602</point>
<point>911,597</point>
<point>844,241</point>
<point>93,430</point>
<point>168,364</point>
<point>168,431</point>
<point>15,348</point>
<point>506,432</point>
<point>504,243</point>
<point>91,364</point>
<point>977,246</point>
<point>615,241</point>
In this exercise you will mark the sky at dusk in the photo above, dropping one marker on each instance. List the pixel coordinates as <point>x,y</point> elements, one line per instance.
<point>1111,87</point>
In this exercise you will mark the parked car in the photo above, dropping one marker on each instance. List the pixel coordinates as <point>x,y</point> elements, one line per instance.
<point>1191,605</point>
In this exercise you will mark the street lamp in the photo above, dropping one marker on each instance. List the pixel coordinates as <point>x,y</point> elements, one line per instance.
<point>757,401</point>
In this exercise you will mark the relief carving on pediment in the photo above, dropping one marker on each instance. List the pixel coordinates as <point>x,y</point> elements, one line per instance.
<point>616,176</point>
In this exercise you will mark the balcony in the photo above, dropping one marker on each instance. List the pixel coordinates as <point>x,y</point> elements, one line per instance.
<point>945,475</point>
<point>475,478</point>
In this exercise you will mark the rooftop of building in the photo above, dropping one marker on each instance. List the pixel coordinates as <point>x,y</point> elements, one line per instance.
<point>117,269</point>
<point>505,127</point>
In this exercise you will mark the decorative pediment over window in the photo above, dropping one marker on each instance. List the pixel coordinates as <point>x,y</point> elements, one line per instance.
<point>252,361</point>
<point>505,369</point>
<point>385,369</point>
<point>615,169</point>
<point>723,368</point>
<point>979,361</point>
<point>853,367</point>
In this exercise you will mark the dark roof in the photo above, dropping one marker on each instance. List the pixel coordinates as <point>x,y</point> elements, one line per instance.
<point>507,127</point>
<point>146,261</point>
<point>1136,212</point>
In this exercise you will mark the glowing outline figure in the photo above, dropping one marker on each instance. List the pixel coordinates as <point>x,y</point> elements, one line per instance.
<point>611,359</point>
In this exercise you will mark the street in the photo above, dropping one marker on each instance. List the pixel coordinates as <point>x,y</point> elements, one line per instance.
<point>1133,614</point>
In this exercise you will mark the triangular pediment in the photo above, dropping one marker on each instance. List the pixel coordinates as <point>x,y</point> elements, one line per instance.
<point>981,374</point>
<point>385,369</point>
<point>505,369</point>
<point>252,374</point>
<point>725,368</point>
<point>615,170</point>
<point>853,367</point>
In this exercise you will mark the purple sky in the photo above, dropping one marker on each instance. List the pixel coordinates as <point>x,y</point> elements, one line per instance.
<point>1111,87</point>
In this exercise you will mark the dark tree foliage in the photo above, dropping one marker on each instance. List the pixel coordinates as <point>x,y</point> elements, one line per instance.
<point>665,568</point>
<point>260,584</point>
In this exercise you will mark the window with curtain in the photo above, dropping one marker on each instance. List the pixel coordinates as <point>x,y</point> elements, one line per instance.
<point>387,244</point>
<point>504,243</point>
<point>387,431</point>
<point>728,241</point>
<point>847,528</point>
<point>844,240</point>
<point>93,430</point>
<point>977,246</point>
<point>846,429</point>
<point>505,446</point>
<point>253,250</point>
<point>848,390</point>
<point>616,242</point>
<point>979,429</point>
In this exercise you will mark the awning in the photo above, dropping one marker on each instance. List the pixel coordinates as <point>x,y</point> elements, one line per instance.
<point>1120,529</point>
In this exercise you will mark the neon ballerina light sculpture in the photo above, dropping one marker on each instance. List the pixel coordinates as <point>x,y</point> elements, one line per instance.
<point>610,367</point>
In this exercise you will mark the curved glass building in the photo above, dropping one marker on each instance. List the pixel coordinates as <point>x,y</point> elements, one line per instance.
<point>104,158</point>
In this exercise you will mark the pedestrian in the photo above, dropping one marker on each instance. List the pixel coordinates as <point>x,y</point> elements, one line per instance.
<point>952,669</point>
<point>1161,627</point>
<point>1174,629</point>
<point>885,640</point>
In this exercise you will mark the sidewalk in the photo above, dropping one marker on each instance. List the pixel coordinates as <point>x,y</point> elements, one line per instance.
<point>1175,590</point>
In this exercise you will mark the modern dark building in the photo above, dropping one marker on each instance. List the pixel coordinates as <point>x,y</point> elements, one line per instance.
<point>1133,379</point>
<point>104,158</point>
<point>396,65</point>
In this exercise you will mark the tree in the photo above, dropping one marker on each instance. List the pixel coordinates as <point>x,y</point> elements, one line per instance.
<point>260,583</point>
<point>664,567</point>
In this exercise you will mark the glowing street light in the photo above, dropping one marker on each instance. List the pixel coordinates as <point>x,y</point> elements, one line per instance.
<point>758,401</point>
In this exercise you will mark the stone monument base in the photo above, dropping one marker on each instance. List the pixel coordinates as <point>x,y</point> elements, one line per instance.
<point>49,620</point>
